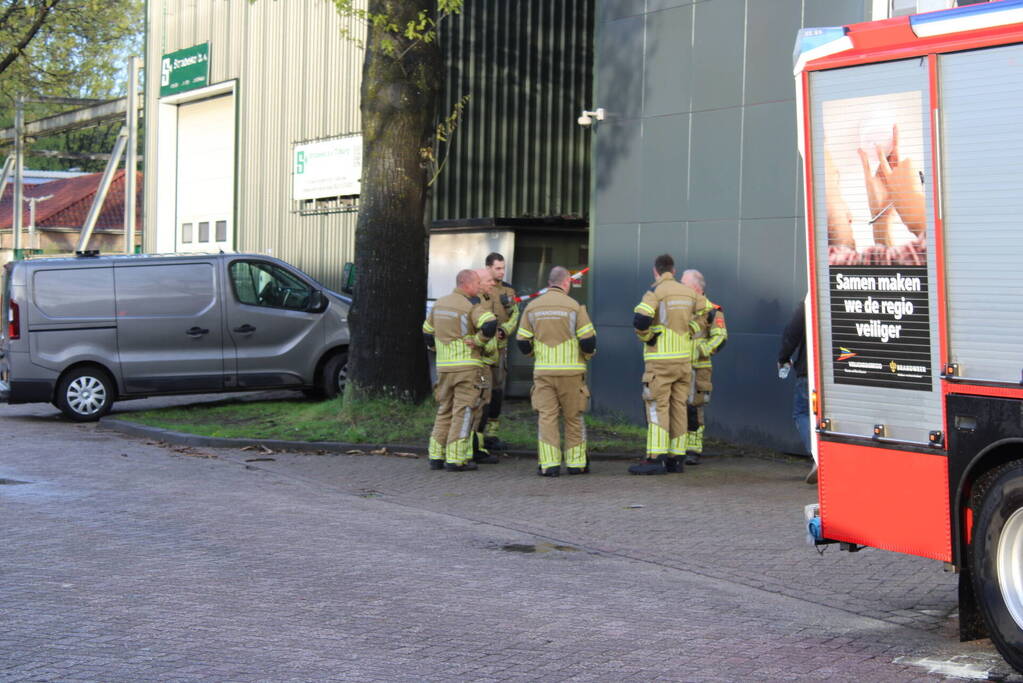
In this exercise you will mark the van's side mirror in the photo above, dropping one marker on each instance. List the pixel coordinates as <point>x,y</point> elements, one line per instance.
<point>317,302</point>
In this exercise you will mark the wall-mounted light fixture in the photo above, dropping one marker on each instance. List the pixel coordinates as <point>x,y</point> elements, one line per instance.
<point>586,118</point>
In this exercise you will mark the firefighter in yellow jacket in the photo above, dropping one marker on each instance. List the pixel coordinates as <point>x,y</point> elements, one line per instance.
<point>664,322</point>
<point>491,356</point>
<point>507,312</point>
<point>556,330</point>
<point>707,341</point>
<point>459,329</point>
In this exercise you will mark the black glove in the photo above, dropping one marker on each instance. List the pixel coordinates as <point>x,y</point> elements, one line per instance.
<point>652,341</point>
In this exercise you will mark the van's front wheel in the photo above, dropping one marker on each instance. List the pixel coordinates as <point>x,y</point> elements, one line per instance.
<point>85,394</point>
<point>996,557</point>
<point>335,375</point>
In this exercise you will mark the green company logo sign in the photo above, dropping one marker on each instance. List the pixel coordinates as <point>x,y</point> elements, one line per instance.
<point>185,70</point>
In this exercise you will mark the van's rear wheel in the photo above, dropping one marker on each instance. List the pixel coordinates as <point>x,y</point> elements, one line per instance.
<point>996,557</point>
<point>85,394</point>
<point>335,375</point>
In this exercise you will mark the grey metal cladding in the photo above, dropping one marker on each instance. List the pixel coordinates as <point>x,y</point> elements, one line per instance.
<point>982,183</point>
<point>718,47</point>
<point>616,370</point>
<point>617,9</point>
<point>617,289</point>
<point>765,50</point>
<point>833,12</point>
<point>619,163</point>
<point>743,409</point>
<point>517,151</point>
<point>766,261</point>
<point>665,181</point>
<point>714,170</point>
<point>658,238</point>
<point>713,248</point>
<point>908,415</point>
<point>769,160</point>
<point>668,61</point>
<point>655,5</point>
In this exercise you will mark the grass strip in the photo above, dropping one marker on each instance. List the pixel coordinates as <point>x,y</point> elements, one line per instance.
<point>371,422</point>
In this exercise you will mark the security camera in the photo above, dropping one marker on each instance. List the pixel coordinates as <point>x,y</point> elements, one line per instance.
<point>586,118</point>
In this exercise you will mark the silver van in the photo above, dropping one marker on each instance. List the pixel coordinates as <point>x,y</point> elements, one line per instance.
<point>82,332</point>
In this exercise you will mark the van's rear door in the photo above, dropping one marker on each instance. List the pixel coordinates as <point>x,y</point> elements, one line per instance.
<point>169,326</point>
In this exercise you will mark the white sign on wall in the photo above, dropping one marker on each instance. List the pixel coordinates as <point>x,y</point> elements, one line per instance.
<point>327,168</point>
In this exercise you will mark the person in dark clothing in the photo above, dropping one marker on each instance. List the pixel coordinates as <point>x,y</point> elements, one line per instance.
<point>793,353</point>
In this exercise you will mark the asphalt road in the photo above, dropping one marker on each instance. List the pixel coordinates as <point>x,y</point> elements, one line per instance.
<point>128,560</point>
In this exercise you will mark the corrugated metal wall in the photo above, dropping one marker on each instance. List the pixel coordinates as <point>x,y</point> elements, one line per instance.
<point>518,151</point>
<point>298,79</point>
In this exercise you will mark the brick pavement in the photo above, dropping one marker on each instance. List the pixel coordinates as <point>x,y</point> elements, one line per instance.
<point>131,561</point>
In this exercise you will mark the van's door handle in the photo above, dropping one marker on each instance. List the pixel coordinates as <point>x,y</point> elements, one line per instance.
<point>245,329</point>
<point>196,332</point>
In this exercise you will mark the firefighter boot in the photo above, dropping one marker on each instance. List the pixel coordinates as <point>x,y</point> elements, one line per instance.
<point>549,471</point>
<point>436,464</point>
<point>490,439</point>
<point>650,466</point>
<point>464,467</point>
<point>674,463</point>
<point>480,453</point>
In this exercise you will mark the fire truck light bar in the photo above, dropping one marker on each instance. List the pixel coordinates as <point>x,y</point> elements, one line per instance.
<point>984,15</point>
<point>814,43</point>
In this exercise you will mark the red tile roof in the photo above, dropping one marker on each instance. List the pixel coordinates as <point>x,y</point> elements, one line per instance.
<point>70,203</point>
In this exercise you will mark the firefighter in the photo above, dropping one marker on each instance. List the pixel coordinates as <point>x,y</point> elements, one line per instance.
<point>707,341</point>
<point>458,329</point>
<point>664,322</point>
<point>557,332</point>
<point>508,319</point>
<point>490,356</point>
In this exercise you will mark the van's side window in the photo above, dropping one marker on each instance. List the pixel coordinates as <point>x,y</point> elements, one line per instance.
<point>264,284</point>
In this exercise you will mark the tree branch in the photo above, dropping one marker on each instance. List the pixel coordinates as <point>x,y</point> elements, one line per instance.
<point>16,51</point>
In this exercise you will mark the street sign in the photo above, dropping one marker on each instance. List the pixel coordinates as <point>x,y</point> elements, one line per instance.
<point>185,70</point>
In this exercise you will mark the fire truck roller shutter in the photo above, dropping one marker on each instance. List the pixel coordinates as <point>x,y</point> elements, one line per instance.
<point>982,183</point>
<point>877,301</point>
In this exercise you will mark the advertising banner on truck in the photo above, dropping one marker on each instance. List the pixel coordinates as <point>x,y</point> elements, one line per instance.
<point>877,241</point>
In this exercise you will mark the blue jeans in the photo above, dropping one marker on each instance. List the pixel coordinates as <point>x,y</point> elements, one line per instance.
<point>801,411</point>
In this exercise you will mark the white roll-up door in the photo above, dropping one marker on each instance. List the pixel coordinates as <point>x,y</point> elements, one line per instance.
<point>982,183</point>
<point>205,175</point>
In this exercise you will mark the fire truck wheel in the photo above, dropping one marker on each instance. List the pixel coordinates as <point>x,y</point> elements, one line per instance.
<point>996,557</point>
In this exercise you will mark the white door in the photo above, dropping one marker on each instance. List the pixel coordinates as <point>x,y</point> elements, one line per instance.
<point>205,182</point>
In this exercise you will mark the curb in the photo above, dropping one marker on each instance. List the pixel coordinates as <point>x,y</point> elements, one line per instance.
<point>196,441</point>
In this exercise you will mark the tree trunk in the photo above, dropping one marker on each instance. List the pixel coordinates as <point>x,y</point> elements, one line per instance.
<point>399,99</point>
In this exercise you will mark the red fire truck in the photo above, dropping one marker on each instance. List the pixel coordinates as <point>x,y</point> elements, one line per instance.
<point>911,132</point>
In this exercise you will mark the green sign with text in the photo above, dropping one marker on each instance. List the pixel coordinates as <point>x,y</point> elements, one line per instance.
<point>185,70</point>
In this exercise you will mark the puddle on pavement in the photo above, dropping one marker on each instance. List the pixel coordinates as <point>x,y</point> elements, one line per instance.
<point>12,482</point>
<point>537,548</point>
